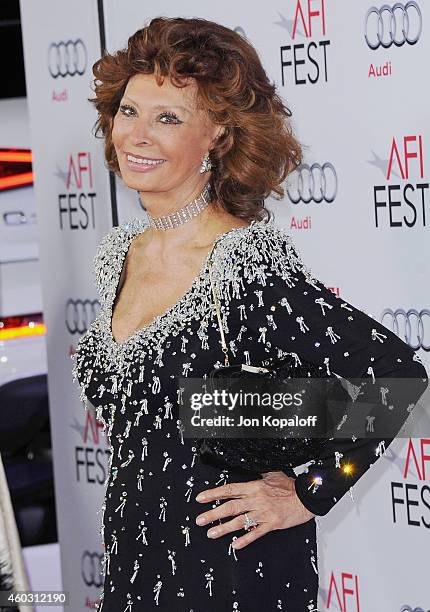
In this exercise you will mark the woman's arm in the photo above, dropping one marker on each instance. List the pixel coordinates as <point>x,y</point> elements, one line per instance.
<point>293,311</point>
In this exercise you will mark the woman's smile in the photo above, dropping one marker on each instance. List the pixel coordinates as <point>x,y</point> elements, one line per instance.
<point>142,164</point>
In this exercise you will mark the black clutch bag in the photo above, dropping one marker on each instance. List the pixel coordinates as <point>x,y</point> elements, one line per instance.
<point>265,454</point>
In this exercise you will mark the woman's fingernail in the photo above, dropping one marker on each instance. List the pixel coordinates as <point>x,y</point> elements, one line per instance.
<point>200,520</point>
<point>200,497</point>
<point>212,533</point>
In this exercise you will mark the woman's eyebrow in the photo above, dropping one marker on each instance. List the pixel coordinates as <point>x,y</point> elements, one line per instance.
<point>160,106</point>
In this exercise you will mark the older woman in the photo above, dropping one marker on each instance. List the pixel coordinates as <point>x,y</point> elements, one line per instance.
<point>192,123</point>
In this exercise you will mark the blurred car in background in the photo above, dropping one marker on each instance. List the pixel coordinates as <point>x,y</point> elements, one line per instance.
<point>25,441</point>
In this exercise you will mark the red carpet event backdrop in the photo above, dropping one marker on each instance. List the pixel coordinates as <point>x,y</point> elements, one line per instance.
<point>355,75</point>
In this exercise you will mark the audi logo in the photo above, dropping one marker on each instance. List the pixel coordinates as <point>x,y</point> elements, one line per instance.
<point>394,25</point>
<point>314,183</point>
<point>80,314</point>
<point>410,325</point>
<point>67,58</point>
<point>92,568</point>
<point>411,609</point>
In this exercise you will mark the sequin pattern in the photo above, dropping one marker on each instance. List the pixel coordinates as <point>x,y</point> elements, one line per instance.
<point>156,557</point>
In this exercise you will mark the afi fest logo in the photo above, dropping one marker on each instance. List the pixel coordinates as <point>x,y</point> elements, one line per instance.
<point>91,454</point>
<point>305,60</point>
<point>410,497</point>
<point>402,199</point>
<point>343,593</point>
<point>76,207</point>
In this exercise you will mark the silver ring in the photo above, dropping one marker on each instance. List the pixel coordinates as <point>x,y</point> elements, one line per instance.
<point>249,522</point>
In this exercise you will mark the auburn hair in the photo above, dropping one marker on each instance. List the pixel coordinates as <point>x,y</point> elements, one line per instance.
<point>257,150</point>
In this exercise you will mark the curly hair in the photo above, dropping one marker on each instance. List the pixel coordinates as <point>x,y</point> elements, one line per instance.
<point>256,151</point>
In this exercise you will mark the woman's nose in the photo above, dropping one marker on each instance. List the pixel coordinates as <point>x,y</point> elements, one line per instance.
<point>142,131</point>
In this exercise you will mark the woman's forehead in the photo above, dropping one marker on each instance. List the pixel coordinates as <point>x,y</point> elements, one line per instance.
<point>141,85</point>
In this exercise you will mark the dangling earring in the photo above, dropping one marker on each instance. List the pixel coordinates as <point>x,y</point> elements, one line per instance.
<point>206,164</point>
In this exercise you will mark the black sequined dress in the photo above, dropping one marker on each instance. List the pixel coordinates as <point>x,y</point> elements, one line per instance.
<point>156,557</point>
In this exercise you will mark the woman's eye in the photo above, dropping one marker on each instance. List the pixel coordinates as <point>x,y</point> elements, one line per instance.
<point>125,107</point>
<point>170,116</point>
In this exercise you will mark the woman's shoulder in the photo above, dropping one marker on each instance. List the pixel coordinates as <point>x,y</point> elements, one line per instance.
<point>111,249</point>
<point>261,240</point>
<point>114,238</point>
<point>258,251</point>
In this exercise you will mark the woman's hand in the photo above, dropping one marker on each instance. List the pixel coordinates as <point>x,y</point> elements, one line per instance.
<point>271,501</point>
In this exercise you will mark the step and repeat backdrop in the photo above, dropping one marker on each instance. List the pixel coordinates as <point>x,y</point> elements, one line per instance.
<point>355,76</point>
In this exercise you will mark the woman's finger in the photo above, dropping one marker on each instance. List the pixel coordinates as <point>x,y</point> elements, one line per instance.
<point>234,525</point>
<point>251,536</point>
<point>229,508</point>
<point>231,489</point>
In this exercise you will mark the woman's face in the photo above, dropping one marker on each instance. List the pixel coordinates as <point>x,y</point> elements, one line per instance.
<point>161,123</point>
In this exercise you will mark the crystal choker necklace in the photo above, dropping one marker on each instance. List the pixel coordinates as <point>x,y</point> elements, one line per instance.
<point>184,214</point>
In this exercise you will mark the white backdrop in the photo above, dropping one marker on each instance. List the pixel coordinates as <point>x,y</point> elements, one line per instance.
<point>360,219</point>
<point>61,43</point>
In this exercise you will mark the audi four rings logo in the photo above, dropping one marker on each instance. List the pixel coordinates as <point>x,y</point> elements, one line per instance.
<point>91,568</point>
<point>409,325</point>
<point>67,58</point>
<point>393,25</point>
<point>411,609</point>
<point>80,314</point>
<point>314,183</point>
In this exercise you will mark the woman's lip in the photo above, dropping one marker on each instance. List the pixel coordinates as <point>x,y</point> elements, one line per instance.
<point>143,157</point>
<point>138,167</point>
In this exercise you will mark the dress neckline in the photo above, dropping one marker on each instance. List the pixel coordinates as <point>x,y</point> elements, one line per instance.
<point>134,229</point>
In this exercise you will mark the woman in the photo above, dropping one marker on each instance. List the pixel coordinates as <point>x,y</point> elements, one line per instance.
<point>192,123</point>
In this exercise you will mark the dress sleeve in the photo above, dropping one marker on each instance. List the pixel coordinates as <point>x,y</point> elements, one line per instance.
<point>104,262</point>
<point>294,312</point>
